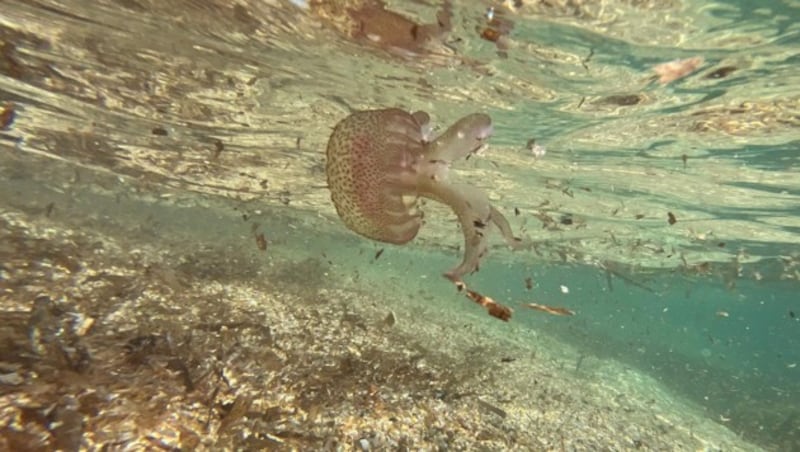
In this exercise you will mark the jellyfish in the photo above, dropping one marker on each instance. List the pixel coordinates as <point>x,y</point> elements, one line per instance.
<point>380,163</point>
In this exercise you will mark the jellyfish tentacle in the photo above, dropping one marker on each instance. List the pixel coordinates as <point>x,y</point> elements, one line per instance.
<point>503,225</point>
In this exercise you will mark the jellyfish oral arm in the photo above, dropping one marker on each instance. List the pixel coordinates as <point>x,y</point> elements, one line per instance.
<point>475,215</point>
<point>461,139</point>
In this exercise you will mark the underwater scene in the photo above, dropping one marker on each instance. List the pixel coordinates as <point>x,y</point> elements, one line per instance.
<point>379,225</point>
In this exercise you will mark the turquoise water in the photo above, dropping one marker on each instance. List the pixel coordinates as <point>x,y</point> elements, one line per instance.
<point>734,366</point>
<point>175,132</point>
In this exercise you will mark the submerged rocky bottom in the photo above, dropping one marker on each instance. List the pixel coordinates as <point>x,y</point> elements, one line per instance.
<point>109,340</point>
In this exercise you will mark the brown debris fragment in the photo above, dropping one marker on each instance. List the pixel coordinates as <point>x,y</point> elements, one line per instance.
<point>490,34</point>
<point>494,308</point>
<point>671,218</point>
<point>721,72</point>
<point>622,100</point>
<point>261,241</point>
<point>218,147</point>
<point>9,62</point>
<point>547,221</point>
<point>529,283</point>
<point>7,115</point>
<point>550,309</point>
<point>496,29</point>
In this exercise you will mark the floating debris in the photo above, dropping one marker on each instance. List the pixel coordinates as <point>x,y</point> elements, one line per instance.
<point>585,61</point>
<point>494,308</point>
<point>490,34</point>
<point>564,289</point>
<point>538,151</point>
<point>218,147</point>
<point>550,309</point>
<point>7,115</point>
<point>159,131</point>
<point>671,218</point>
<point>496,30</point>
<point>721,72</point>
<point>378,254</point>
<point>723,314</point>
<point>547,221</point>
<point>529,283</point>
<point>261,241</point>
<point>622,100</point>
<point>676,69</point>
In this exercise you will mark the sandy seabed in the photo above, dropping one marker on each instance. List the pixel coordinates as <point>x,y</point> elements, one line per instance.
<point>124,335</point>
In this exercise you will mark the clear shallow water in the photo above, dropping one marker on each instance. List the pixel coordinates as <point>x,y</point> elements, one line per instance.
<point>235,104</point>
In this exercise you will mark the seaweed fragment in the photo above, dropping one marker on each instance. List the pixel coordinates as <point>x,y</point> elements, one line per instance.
<point>494,308</point>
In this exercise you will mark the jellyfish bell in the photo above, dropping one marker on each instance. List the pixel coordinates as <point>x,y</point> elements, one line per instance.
<point>381,162</point>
